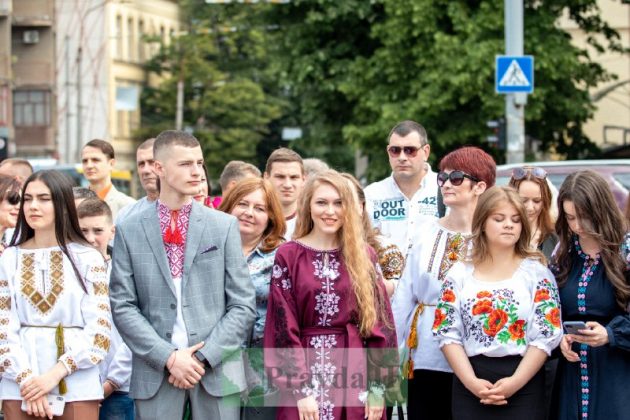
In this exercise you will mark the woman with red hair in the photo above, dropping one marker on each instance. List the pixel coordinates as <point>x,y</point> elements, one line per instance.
<point>438,244</point>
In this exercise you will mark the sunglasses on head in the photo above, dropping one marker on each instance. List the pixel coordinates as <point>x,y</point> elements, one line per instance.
<point>520,173</point>
<point>410,151</point>
<point>13,198</point>
<point>456,178</point>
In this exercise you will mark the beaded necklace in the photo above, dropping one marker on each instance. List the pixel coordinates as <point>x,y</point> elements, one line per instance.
<point>588,270</point>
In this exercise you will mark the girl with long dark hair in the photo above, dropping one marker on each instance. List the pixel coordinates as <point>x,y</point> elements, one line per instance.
<point>54,308</point>
<point>591,266</point>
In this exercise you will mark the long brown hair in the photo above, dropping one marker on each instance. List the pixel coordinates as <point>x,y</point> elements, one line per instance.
<point>354,247</point>
<point>545,221</point>
<point>273,234</point>
<point>488,203</point>
<point>595,204</point>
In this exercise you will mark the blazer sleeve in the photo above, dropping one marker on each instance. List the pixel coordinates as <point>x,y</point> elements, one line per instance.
<point>233,328</point>
<point>142,339</point>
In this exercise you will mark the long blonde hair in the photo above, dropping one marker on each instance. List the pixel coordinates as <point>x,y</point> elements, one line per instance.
<point>354,248</point>
<point>488,203</point>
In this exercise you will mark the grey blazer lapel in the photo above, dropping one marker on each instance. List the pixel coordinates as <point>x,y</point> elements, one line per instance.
<point>196,228</point>
<point>151,225</point>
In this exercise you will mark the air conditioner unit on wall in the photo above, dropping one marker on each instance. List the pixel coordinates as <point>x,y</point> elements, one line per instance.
<point>30,37</point>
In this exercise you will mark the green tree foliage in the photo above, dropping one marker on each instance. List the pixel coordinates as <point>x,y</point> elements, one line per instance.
<point>354,68</point>
<point>229,101</point>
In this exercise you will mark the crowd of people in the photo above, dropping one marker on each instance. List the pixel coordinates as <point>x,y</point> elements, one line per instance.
<point>298,294</point>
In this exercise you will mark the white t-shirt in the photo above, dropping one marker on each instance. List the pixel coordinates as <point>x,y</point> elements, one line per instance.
<point>398,217</point>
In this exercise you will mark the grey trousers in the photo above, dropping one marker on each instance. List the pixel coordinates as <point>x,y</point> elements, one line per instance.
<point>169,403</point>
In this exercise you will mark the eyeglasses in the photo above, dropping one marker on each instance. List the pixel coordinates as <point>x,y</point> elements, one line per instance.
<point>410,151</point>
<point>520,173</point>
<point>456,178</point>
<point>13,198</point>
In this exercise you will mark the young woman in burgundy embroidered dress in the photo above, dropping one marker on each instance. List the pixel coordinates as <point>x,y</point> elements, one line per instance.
<point>55,319</point>
<point>498,316</point>
<point>464,175</point>
<point>591,265</point>
<point>327,303</point>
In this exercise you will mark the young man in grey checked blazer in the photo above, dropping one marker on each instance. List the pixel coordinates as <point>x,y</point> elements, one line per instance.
<point>181,294</point>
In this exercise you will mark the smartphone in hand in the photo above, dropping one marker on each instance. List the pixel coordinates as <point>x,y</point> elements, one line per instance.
<point>573,327</point>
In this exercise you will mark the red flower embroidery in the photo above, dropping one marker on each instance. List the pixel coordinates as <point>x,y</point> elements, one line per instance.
<point>439,318</point>
<point>553,316</point>
<point>482,307</point>
<point>496,321</point>
<point>484,294</point>
<point>448,296</point>
<point>516,330</point>
<point>542,294</point>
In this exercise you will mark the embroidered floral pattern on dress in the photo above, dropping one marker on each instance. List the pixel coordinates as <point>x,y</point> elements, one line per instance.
<point>324,371</point>
<point>28,281</point>
<point>327,270</point>
<point>101,288</point>
<point>101,341</point>
<point>488,316</point>
<point>70,364</point>
<point>391,262</point>
<point>279,273</point>
<point>5,303</point>
<point>456,246</point>
<point>546,300</point>
<point>22,376</point>
<point>588,269</point>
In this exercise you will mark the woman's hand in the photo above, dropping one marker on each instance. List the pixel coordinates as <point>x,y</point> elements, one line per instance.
<point>39,407</point>
<point>502,390</point>
<point>565,348</point>
<point>41,385</point>
<point>307,407</point>
<point>595,336</point>
<point>480,387</point>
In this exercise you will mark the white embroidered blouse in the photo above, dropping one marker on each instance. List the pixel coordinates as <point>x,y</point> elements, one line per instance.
<point>38,292</point>
<point>417,294</point>
<point>499,318</point>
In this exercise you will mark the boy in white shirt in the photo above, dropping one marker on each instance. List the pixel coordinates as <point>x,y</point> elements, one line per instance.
<point>95,219</point>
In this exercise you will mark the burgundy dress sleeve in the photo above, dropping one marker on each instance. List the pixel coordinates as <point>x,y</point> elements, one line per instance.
<point>284,354</point>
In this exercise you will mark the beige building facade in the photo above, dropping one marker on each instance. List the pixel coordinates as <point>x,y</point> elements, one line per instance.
<point>611,123</point>
<point>105,42</point>
<point>72,71</point>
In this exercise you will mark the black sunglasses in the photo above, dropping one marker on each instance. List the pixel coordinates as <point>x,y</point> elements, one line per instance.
<point>13,198</point>
<point>456,178</point>
<point>394,151</point>
<point>520,173</point>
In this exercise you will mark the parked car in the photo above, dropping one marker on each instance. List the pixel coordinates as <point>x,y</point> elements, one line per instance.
<point>615,171</point>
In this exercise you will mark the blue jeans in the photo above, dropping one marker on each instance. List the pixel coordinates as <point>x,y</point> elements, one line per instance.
<point>117,406</point>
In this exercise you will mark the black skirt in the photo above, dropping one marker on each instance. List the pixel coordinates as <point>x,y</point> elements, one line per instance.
<point>526,404</point>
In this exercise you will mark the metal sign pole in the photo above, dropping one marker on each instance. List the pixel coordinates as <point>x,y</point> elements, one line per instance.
<point>514,102</point>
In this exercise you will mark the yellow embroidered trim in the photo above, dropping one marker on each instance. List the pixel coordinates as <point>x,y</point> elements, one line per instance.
<point>43,304</point>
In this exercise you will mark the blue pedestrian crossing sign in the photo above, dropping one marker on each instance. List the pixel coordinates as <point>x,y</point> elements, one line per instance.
<point>514,74</point>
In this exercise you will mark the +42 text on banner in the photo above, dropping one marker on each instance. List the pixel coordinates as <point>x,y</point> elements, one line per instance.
<point>514,74</point>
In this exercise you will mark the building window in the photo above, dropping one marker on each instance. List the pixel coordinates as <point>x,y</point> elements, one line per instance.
<point>31,108</point>
<point>131,40</point>
<point>119,38</point>
<point>141,42</point>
